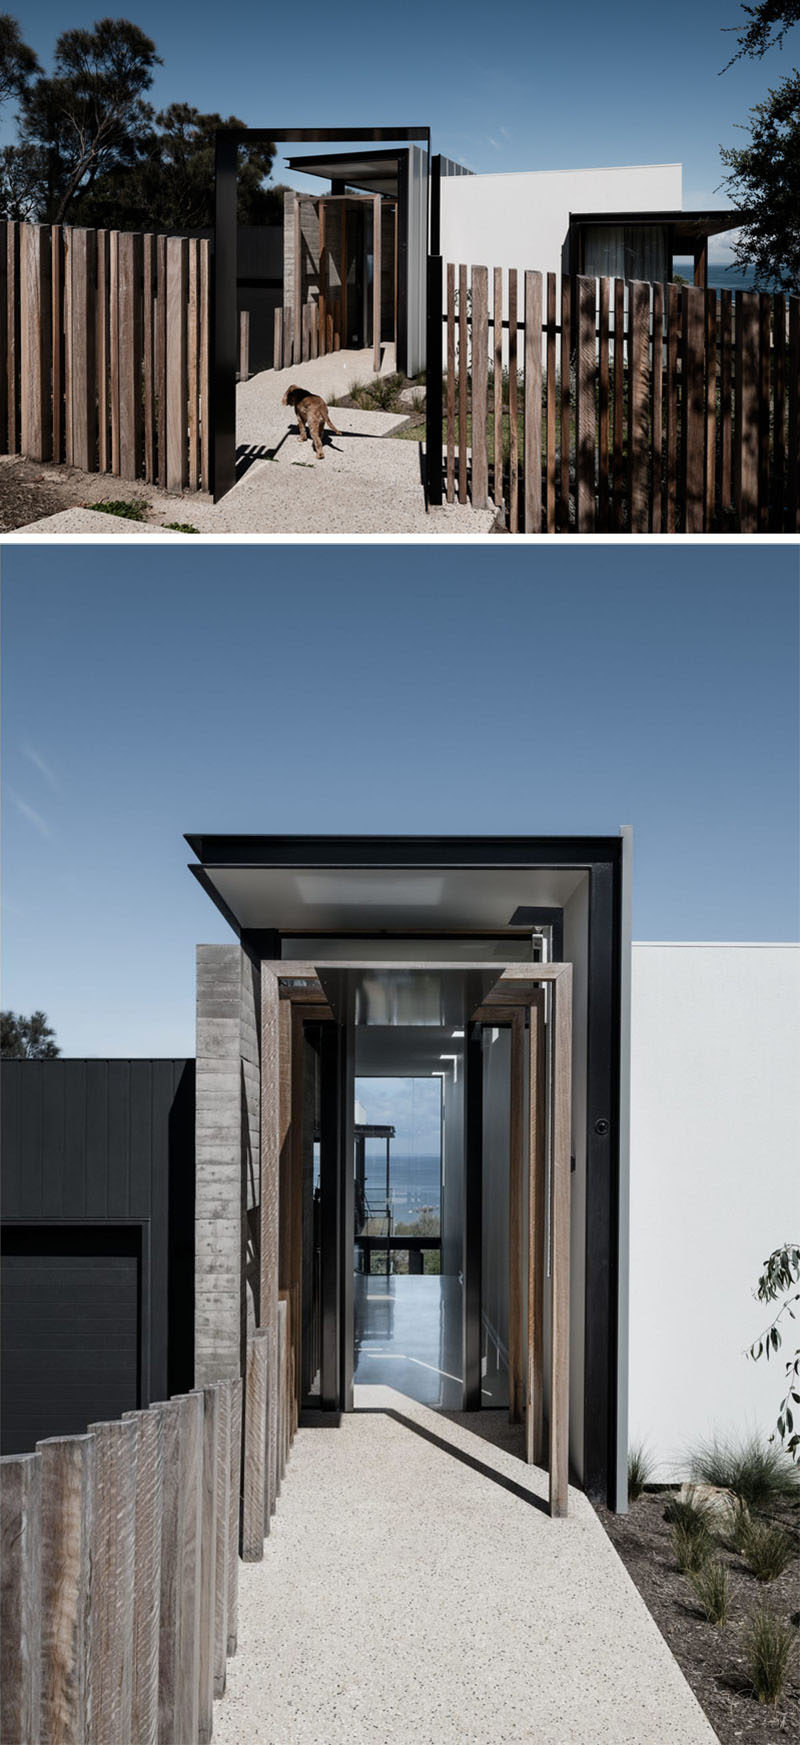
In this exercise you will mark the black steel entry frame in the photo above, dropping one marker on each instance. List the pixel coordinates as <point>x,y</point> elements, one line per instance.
<point>223,374</point>
<point>605,1376</point>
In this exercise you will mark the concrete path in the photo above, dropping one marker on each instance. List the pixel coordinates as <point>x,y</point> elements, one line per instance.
<point>365,485</point>
<point>413,1588</point>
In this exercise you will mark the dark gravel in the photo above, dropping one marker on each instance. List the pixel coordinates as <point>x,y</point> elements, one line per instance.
<point>712,1660</point>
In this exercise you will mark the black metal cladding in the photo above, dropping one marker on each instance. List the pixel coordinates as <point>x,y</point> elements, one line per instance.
<point>106,1148</point>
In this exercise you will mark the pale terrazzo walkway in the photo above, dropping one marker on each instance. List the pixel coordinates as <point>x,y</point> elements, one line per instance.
<point>365,485</point>
<point>406,1595</point>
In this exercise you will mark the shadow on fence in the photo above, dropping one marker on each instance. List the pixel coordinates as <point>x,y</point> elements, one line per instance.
<point>633,408</point>
<point>105,352</point>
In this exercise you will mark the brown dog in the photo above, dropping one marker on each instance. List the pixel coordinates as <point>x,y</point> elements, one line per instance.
<point>312,415</point>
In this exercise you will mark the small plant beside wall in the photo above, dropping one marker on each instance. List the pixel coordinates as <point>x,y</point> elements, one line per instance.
<point>712,1588</point>
<point>640,1470</point>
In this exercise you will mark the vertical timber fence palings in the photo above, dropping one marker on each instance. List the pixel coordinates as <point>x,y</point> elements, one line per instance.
<point>645,408</point>
<point>105,352</point>
<point>120,1556</point>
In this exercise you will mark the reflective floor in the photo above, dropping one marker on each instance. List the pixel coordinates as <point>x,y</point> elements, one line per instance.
<point>408,1336</point>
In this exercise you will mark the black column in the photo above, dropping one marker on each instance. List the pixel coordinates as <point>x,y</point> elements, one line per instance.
<point>473,1196</point>
<point>223,376</point>
<point>433,383</point>
<point>330,1243</point>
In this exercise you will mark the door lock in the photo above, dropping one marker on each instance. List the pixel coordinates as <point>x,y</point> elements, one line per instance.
<point>601,1127</point>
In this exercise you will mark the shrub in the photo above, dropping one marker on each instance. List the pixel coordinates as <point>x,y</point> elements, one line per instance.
<point>692,1545</point>
<point>129,509</point>
<point>769,1648</point>
<point>710,1584</point>
<point>757,1472</point>
<point>180,527</point>
<point>640,1468</point>
<point>767,1549</point>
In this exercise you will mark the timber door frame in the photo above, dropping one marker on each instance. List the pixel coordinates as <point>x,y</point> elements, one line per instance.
<point>225,337</point>
<point>518,990</point>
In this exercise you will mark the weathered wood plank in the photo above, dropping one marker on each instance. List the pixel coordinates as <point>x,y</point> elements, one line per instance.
<point>147,1575</point>
<point>234,1520</point>
<point>298,278</point>
<point>657,407</point>
<point>168,1413</point>
<point>161,357</point>
<point>103,353</point>
<point>377,274</point>
<point>746,429</point>
<point>463,373</point>
<point>693,395</point>
<point>244,345</point>
<point>480,387</point>
<point>516,1222</point>
<point>193,362</point>
<point>725,403</point>
<point>618,501</point>
<point>559,1245</point>
<point>177,358</point>
<point>36,424</point>
<point>638,403</point>
<point>673,426</point>
<point>20,1598</point>
<point>793,427</point>
<point>451,383</point>
<point>13,385</point>
<point>497,382</point>
<point>533,402</point>
<point>131,422</point>
<point>778,411</point>
<point>323,279</point>
<point>764,407</point>
<point>224,1390</point>
<point>513,413</point>
<point>585,413</point>
<point>148,355</point>
<point>277,340</point>
<point>190,1498</point>
<point>255,1447</point>
<point>113,1581</point>
<point>82,348</point>
<point>68,1500</point>
<point>210,1501</point>
<point>4,318</point>
<point>206,438</point>
<point>603,404</point>
<point>710,459</point>
<point>57,341</point>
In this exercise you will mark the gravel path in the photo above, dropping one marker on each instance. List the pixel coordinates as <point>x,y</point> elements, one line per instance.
<point>411,1588</point>
<point>365,485</point>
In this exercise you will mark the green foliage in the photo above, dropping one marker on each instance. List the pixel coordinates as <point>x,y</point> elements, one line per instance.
<point>18,62</point>
<point>764,181</point>
<point>382,394</point>
<point>640,1467</point>
<point>692,1544</point>
<point>757,1472</point>
<point>27,1038</point>
<point>127,508</point>
<point>766,27</point>
<point>781,1273</point>
<point>767,1549</point>
<point>711,1585</point>
<point>171,185</point>
<point>770,1646</point>
<point>180,527</point>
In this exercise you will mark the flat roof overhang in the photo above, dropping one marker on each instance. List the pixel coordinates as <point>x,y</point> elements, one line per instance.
<point>409,884</point>
<point>375,172</point>
<point>687,227</point>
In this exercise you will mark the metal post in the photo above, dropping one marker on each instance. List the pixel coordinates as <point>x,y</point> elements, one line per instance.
<point>223,376</point>
<point>433,384</point>
<point>473,1194</point>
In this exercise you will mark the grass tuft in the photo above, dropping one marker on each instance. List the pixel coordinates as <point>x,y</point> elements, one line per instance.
<point>128,509</point>
<point>692,1544</point>
<point>712,1587</point>
<point>759,1473</point>
<point>766,1548</point>
<point>382,394</point>
<point>181,527</point>
<point>769,1648</point>
<point>640,1468</point>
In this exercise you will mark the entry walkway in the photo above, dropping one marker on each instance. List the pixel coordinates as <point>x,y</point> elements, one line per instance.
<point>367,483</point>
<point>413,1587</point>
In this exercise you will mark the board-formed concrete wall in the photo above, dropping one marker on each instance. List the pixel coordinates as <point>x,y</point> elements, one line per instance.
<point>227,1160</point>
<point>715,1186</point>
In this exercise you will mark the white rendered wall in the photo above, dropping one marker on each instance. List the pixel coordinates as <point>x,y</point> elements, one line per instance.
<point>522,219</point>
<point>715,1184</point>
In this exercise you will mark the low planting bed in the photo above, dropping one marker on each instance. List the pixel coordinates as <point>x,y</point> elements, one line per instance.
<point>659,1535</point>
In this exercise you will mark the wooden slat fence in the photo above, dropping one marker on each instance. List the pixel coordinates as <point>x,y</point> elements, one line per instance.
<point>120,1555</point>
<point>320,332</point>
<point>646,408</point>
<point>105,352</point>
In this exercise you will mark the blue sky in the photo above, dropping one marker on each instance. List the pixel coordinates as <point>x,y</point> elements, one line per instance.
<point>150,690</point>
<point>532,87</point>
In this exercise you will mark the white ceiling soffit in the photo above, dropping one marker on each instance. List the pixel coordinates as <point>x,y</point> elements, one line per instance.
<point>304,900</point>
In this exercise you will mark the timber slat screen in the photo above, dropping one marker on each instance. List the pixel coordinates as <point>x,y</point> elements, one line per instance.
<point>119,1585</point>
<point>105,352</point>
<point>671,409</point>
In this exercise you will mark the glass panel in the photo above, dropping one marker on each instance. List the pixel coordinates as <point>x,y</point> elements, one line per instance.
<point>625,251</point>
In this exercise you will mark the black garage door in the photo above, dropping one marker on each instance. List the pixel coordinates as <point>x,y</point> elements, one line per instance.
<point>71,1318</point>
